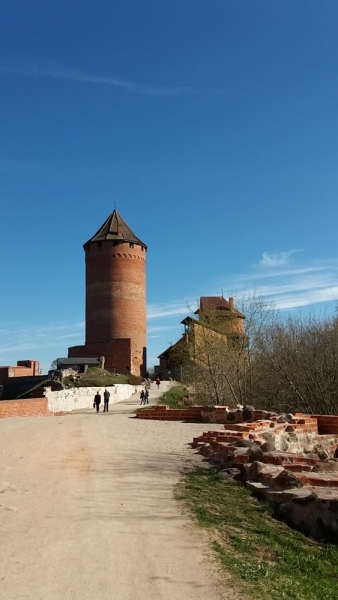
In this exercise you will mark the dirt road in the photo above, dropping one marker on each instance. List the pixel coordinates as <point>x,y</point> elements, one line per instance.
<point>87,510</point>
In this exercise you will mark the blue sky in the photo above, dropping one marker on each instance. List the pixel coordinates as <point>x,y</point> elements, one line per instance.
<point>212,124</point>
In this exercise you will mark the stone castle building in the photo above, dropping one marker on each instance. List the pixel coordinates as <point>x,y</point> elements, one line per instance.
<point>219,318</point>
<point>115,298</point>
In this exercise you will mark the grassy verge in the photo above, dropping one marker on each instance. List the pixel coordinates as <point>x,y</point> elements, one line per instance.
<point>96,377</point>
<point>173,397</point>
<point>101,378</point>
<point>265,556</point>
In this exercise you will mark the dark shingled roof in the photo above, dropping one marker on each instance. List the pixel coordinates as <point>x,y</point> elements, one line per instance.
<point>116,229</point>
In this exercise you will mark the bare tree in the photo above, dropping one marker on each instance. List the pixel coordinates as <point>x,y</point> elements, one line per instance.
<point>298,358</point>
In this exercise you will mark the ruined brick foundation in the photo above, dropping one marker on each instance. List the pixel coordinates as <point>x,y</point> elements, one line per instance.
<point>289,460</point>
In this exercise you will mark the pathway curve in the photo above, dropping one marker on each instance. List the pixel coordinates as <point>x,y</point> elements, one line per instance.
<point>87,510</point>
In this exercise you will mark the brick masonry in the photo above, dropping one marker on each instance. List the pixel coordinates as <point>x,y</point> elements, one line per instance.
<point>309,501</point>
<point>34,407</point>
<point>115,306</point>
<point>303,431</point>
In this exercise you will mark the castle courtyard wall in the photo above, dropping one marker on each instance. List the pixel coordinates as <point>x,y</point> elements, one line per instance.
<point>64,401</point>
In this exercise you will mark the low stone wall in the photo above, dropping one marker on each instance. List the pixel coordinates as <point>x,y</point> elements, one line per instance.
<point>76,398</point>
<point>33,407</point>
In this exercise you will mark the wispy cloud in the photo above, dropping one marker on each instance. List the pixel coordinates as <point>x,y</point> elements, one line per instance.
<point>63,72</point>
<point>176,307</point>
<point>289,284</point>
<point>160,328</point>
<point>277,259</point>
<point>39,336</point>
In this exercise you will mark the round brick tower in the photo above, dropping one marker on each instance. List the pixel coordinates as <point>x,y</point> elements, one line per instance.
<point>116,298</point>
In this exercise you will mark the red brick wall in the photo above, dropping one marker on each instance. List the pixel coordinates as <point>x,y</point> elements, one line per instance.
<point>164,413</point>
<point>327,424</point>
<point>34,407</point>
<point>33,367</point>
<point>24,368</point>
<point>117,353</point>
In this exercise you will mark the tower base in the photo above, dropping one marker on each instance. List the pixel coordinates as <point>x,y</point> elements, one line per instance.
<point>119,356</point>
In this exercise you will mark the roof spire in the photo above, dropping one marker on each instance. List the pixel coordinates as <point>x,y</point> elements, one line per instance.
<point>115,229</point>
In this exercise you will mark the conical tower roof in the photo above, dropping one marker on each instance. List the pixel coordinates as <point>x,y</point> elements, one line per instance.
<point>115,229</point>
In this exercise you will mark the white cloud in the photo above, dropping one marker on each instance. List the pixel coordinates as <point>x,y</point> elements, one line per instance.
<point>300,284</point>
<point>160,328</point>
<point>40,336</point>
<point>176,307</point>
<point>17,346</point>
<point>63,72</point>
<point>277,259</point>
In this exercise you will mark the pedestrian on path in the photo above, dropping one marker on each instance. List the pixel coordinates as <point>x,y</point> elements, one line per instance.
<point>97,401</point>
<point>106,397</point>
<point>142,396</point>
<point>158,381</point>
<point>146,396</point>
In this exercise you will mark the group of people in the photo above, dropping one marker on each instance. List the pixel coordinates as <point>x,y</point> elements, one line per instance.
<point>97,400</point>
<point>144,395</point>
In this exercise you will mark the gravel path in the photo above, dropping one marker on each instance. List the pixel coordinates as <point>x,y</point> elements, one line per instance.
<point>87,510</point>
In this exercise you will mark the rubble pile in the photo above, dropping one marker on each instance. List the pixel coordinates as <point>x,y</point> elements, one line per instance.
<point>286,459</point>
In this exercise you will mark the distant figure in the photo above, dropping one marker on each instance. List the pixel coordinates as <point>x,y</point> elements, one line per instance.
<point>97,401</point>
<point>106,397</point>
<point>158,381</point>
<point>142,396</point>
<point>146,396</point>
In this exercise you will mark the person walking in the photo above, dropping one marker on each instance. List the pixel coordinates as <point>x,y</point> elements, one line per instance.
<point>97,401</point>
<point>142,397</point>
<point>158,381</point>
<point>146,396</point>
<point>106,397</point>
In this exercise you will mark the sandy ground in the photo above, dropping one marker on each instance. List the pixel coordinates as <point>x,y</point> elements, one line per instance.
<point>87,510</point>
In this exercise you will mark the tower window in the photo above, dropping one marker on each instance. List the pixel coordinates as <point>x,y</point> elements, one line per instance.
<point>131,245</point>
<point>116,243</point>
<point>99,244</point>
